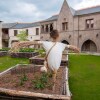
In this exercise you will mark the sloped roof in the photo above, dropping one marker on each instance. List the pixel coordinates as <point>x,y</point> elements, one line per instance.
<point>20,25</point>
<point>90,10</point>
<point>25,25</point>
<point>8,25</point>
<point>52,18</point>
<point>74,12</point>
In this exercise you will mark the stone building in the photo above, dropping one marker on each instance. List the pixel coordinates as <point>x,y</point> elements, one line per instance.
<point>76,27</point>
<point>10,31</point>
<point>80,28</point>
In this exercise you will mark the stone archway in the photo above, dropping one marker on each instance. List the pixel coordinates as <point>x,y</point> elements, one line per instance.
<point>89,46</point>
<point>65,42</point>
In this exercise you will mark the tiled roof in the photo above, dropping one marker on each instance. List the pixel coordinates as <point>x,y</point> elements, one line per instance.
<point>25,25</point>
<point>20,25</point>
<point>90,10</point>
<point>52,18</point>
<point>76,12</point>
<point>8,25</point>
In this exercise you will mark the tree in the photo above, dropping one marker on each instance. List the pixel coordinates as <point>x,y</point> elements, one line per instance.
<point>22,36</point>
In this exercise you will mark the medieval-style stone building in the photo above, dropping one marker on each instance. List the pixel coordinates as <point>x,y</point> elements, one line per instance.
<point>80,28</point>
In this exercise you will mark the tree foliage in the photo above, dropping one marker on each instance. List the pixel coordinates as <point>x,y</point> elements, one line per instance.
<point>22,36</point>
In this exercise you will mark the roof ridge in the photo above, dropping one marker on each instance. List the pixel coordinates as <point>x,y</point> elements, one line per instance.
<point>88,7</point>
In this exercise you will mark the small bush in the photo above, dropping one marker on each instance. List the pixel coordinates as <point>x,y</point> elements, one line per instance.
<point>5,49</point>
<point>41,52</point>
<point>27,50</point>
<point>42,82</point>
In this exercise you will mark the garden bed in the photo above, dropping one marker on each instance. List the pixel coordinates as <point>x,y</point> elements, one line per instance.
<point>39,60</point>
<point>22,81</point>
<point>3,53</point>
<point>24,54</point>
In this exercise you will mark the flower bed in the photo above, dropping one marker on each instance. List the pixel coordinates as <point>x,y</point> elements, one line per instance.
<point>39,60</point>
<point>3,53</point>
<point>24,54</point>
<point>22,81</point>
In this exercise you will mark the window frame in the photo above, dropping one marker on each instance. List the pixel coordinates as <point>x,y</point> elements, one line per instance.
<point>37,32</point>
<point>15,32</point>
<point>64,26</point>
<point>90,25</point>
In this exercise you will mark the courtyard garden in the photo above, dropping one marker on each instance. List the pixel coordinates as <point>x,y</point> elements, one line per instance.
<point>84,73</point>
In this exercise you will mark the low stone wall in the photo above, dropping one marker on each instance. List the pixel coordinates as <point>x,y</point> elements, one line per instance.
<point>24,54</point>
<point>3,53</point>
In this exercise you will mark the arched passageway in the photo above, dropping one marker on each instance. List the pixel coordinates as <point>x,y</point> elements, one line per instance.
<point>89,46</point>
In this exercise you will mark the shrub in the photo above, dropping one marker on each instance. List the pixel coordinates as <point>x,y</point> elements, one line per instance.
<point>27,50</point>
<point>42,82</point>
<point>22,36</point>
<point>5,49</point>
<point>41,52</point>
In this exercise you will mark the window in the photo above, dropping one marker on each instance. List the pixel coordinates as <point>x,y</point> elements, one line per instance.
<point>42,28</point>
<point>89,23</point>
<point>27,32</point>
<point>37,31</point>
<point>15,32</point>
<point>47,28</point>
<point>51,27</point>
<point>65,26</point>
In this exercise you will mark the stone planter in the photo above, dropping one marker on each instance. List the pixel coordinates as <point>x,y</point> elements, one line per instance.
<point>24,54</point>
<point>38,60</point>
<point>3,53</point>
<point>7,93</point>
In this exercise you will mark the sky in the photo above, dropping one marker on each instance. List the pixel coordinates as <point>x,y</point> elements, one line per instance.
<point>37,10</point>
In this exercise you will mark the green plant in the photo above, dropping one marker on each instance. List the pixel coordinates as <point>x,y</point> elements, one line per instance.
<point>5,49</point>
<point>22,36</point>
<point>41,52</point>
<point>42,82</point>
<point>23,79</point>
<point>27,50</point>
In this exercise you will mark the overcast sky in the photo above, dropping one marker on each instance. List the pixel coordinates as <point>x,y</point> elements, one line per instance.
<point>35,10</point>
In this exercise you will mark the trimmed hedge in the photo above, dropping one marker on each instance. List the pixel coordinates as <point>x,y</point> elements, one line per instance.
<point>27,50</point>
<point>5,49</point>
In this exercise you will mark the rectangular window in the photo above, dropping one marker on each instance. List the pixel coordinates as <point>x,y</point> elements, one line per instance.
<point>15,32</point>
<point>47,28</point>
<point>42,28</point>
<point>65,26</point>
<point>37,31</point>
<point>89,23</point>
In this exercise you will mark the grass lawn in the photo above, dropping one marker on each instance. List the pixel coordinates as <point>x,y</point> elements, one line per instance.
<point>84,78</point>
<point>84,74</point>
<point>7,62</point>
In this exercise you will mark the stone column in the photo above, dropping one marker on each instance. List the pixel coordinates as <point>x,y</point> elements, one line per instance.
<point>0,34</point>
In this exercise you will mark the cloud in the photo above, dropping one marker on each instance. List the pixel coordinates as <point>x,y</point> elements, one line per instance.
<point>35,10</point>
<point>87,3</point>
<point>28,10</point>
<point>19,11</point>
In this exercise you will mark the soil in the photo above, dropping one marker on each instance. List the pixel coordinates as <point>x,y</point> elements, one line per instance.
<point>12,80</point>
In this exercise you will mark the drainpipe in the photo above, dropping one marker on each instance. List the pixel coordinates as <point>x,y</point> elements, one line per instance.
<point>0,34</point>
